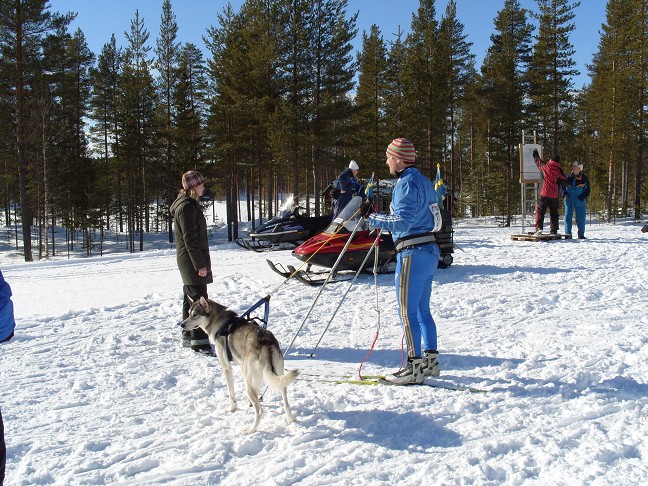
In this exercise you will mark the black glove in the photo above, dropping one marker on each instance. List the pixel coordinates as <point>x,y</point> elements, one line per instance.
<point>582,197</point>
<point>535,153</point>
<point>366,208</point>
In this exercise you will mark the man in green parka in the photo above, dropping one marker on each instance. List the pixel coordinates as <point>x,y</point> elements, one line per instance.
<point>192,252</point>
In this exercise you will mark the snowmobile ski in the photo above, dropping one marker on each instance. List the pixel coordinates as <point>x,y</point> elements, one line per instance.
<point>279,269</point>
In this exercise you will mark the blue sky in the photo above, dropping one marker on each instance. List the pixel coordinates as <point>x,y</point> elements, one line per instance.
<point>100,19</point>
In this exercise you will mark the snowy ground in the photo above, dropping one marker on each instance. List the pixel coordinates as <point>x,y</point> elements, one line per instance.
<point>95,388</point>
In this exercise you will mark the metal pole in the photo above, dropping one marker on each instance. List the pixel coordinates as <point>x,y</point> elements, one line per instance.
<point>331,273</point>
<point>347,291</point>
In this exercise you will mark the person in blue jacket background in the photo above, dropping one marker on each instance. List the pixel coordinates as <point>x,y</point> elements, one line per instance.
<point>7,326</point>
<point>411,223</point>
<point>576,194</point>
<point>348,186</point>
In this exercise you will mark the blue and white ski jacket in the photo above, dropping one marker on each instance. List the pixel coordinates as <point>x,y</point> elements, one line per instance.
<point>410,207</point>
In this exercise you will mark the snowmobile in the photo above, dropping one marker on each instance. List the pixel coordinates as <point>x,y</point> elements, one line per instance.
<point>325,248</point>
<point>290,226</point>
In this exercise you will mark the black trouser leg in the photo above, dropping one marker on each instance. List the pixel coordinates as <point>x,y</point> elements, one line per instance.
<point>194,292</point>
<point>553,214</point>
<point>541,209</point>
<point>3,451</point>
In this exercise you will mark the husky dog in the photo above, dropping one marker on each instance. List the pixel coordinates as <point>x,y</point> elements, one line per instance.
<point>245,343</point>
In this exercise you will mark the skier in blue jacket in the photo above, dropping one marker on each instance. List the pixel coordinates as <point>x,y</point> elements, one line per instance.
<point>7,326</point>
<point>576,194</point>
<point>411,223</point>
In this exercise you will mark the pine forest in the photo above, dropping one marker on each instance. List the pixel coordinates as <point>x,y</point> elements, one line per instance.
<point>277,102</point>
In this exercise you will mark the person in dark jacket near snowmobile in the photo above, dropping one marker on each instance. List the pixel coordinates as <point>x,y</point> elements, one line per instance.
<point>348,186</point>
<point>576,194</point>
<point>7,326</point>
<point>411,223</point>
<point>552,178</point>
<point>192,252</point>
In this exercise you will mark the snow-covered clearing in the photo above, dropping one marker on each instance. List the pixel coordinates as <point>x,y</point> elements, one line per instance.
<point>96,389</point>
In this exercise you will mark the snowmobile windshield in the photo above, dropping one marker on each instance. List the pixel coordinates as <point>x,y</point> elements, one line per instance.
<point>286,209</point>
<point>348,217</point>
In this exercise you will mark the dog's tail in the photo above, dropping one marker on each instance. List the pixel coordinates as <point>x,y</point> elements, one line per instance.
<point>280,382</point>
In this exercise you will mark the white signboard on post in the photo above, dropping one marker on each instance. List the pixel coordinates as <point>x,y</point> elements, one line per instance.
<point>529,172</point>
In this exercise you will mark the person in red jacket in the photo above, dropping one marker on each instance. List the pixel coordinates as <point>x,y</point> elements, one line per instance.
<point>553,178</point>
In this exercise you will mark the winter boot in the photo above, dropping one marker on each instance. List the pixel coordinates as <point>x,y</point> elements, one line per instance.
<point>410,375</point>
<point>538,232</point>
<point>186,339</point>
<point>430,365</point>
<point>200,341</point>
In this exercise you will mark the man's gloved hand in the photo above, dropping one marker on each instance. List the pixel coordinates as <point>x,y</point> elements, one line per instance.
<point>366,208</point>
<point>535,153</point>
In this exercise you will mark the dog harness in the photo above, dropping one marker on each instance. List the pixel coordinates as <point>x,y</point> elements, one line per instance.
<point>236,322</point>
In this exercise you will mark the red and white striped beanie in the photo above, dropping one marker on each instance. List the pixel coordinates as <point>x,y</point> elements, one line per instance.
<point>402,149</point>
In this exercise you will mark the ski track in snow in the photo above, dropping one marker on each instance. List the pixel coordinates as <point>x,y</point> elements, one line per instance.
<point>96,389</point>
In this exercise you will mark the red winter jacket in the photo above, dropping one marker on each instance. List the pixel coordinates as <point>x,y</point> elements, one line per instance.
<point>551,174</point>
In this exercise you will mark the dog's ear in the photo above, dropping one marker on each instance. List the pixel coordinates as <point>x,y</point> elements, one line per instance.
<point>204,303</point>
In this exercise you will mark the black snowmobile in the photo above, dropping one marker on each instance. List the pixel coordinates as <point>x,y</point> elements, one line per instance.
<point>290,226</point>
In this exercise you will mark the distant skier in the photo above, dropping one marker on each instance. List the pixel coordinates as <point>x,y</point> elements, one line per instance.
<point>552,177</point>
<point>576,193</point>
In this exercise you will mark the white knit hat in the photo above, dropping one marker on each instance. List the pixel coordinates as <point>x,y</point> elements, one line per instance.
<point>576,163</point>
<point>353,165</point>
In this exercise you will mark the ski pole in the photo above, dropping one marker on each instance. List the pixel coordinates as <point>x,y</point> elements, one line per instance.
<point>373,245</point>
<point>377,309</point>
<point>332,272</point>
<point>297,270</point>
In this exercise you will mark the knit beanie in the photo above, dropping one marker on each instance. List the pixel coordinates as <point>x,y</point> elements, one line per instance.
<point>353,165</point>
<point>192,179</point>
<point>402,149</point>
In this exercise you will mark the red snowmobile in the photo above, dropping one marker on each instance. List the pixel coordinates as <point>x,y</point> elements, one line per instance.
<point>325,248</point>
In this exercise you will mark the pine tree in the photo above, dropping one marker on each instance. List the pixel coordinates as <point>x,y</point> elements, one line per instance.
<point>189,107</point>
<point>395,112</point>
<point>370,101</point>
<point>426,87</point>
<point>333,72</point>
<point>614,99</point>
<point>137,110</point>
<point>228,116</point>
<point>552,68</point>
<point>23,23</point>
<point>459,68</point>
<point>166,63</point>
<point>503,85</point>
<point>105,78</point>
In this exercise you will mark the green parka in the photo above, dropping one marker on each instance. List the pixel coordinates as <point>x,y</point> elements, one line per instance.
<point>192,246</point>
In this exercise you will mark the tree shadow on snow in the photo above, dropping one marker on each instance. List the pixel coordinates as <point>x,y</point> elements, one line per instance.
<point>394,430</point>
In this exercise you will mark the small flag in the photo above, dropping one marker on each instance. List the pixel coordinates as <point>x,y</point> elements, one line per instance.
<point>439,186</point>
<point>369,190</point>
